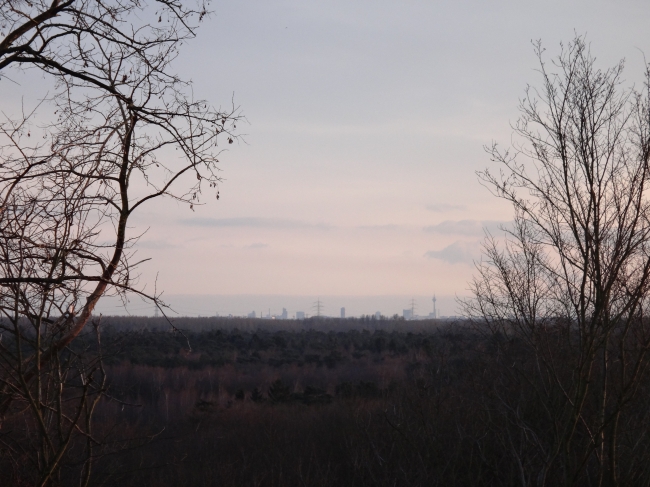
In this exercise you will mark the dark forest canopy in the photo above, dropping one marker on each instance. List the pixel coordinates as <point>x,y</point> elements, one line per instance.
<point>369,322</point>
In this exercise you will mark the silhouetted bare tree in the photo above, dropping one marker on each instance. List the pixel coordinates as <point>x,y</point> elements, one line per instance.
<point>123,130</point>
<point>566,294</point>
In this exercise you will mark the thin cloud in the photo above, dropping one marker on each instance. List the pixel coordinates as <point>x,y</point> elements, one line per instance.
<point>456,253</point>
<point>257,245</point>
<point>156,244</point>
<point>388,227</point>
<point>443,208</point>
<point>251,223</point>
<point>465,227</point>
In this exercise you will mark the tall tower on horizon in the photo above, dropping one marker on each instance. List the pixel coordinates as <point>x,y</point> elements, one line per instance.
<point>435,315</point>
<point>318,306</point>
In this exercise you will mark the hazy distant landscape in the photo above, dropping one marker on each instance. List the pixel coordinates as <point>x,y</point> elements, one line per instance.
<point>353,244</point>
<point>195,305</point>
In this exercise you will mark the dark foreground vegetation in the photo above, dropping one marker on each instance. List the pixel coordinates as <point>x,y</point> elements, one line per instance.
<point>548,383</point>
<point>244,405</point>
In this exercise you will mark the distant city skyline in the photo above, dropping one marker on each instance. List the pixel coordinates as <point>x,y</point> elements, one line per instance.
<point>263,306</point>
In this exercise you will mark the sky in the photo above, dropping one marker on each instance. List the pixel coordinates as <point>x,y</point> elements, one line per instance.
<point>366,124</point>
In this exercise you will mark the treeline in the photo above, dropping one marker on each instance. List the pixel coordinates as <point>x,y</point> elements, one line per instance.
<point>229,407</point>
<point>208,323</point>
<point>217,347</point>
<point>234,407</point>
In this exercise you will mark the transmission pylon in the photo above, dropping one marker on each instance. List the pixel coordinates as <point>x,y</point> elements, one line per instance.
<point>318,306</point>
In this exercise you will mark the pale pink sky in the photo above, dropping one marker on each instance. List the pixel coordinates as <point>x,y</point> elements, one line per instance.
<point>367,122</point>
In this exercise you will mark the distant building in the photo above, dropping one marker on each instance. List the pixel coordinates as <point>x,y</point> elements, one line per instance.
<point>252,315</point>
<point>285,315</point>
<point>342,312</point>
<point>378,315</point>
<point>407,314</point>
<point>300,315</point>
